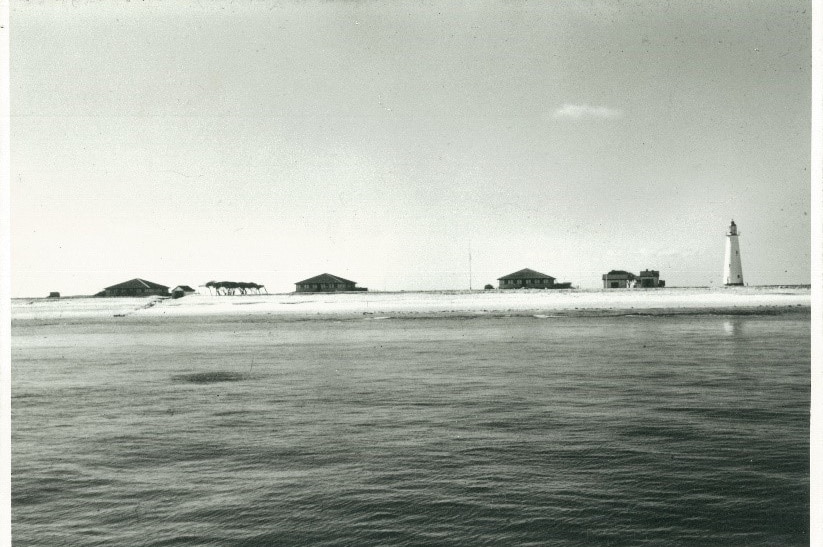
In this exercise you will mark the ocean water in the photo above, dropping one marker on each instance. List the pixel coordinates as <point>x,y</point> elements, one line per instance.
<point>571,430</point>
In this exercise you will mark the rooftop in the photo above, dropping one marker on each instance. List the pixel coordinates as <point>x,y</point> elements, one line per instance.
<point>138,283</point>
<point>526,273</point>
<point>325,278</point>
<point>616,274</point>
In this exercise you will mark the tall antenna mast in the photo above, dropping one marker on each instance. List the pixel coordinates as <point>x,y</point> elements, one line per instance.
<point>470,266</point>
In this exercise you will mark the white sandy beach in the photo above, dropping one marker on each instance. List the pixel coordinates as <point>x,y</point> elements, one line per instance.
<point>377,303</point>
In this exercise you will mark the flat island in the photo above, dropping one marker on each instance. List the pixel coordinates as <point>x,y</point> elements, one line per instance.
<point>497,302</point>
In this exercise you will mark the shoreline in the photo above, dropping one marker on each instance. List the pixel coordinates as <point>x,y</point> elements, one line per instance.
<point>564,302</point>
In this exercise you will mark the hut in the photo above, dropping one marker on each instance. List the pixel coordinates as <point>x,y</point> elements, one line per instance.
<point>185,289</point>
<point>327,283</point>
<point>136,287</point>
<point>54,295</point>
<point>181,290</point>
<point>526,279</point>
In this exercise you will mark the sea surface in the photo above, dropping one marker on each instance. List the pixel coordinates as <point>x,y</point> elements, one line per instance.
<point>475,430</point>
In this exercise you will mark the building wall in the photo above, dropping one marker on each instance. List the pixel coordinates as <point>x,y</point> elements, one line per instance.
<point>137,292</point>
<point>526,283</point>
<point>649,282</point>
<point>645,282</point>
<point>325,287</point>
<point>616,283</point>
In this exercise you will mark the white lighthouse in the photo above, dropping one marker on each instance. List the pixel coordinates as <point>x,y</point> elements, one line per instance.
<point>732,269</point>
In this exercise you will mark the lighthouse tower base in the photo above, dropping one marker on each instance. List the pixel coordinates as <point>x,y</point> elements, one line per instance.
<point>732,270</point>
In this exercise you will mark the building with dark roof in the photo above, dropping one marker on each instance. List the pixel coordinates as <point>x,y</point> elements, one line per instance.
<point>136,287</point>
<point>621,279</point>
<point>181,290</point>
<point>327,283</point>
<point>650,279</point>
<point>526,279</point>
<point>618,279</point>
<point>184,288</point>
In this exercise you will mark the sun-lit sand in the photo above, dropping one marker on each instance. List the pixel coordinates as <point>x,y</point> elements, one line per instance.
<point>434,302</point>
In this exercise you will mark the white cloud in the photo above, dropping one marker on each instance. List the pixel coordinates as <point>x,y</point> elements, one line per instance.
<point>579,111</point>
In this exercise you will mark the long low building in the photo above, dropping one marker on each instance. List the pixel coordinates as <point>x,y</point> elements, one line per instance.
<point>526,279</point>
<point>327,283</point>
<point>136,287</point>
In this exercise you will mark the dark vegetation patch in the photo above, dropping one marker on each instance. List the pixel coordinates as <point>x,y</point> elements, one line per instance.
<point>212,377</point>
<point>233,412</point>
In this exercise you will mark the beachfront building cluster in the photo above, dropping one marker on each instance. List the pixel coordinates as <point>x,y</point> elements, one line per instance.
<point>325,282</point>
<point>521,279</point>
<point>621,279</point>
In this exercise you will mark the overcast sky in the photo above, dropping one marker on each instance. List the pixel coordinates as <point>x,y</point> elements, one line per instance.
<point>184,142</point>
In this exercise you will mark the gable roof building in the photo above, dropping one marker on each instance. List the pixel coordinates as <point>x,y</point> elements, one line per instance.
<point>526,278</point>
<point>136,287</point>
<point>621,279</point>
<point>327,283</point>
<point>618,279</point>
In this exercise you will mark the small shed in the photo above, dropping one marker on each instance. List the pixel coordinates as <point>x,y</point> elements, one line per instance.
<point>327,283</point>
<point>54,295</point>
<point>185,289</point>
<point>136,287</point>
<point>526,279</point>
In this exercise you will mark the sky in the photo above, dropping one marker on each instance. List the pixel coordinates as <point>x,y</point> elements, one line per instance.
<point>388,142</point>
